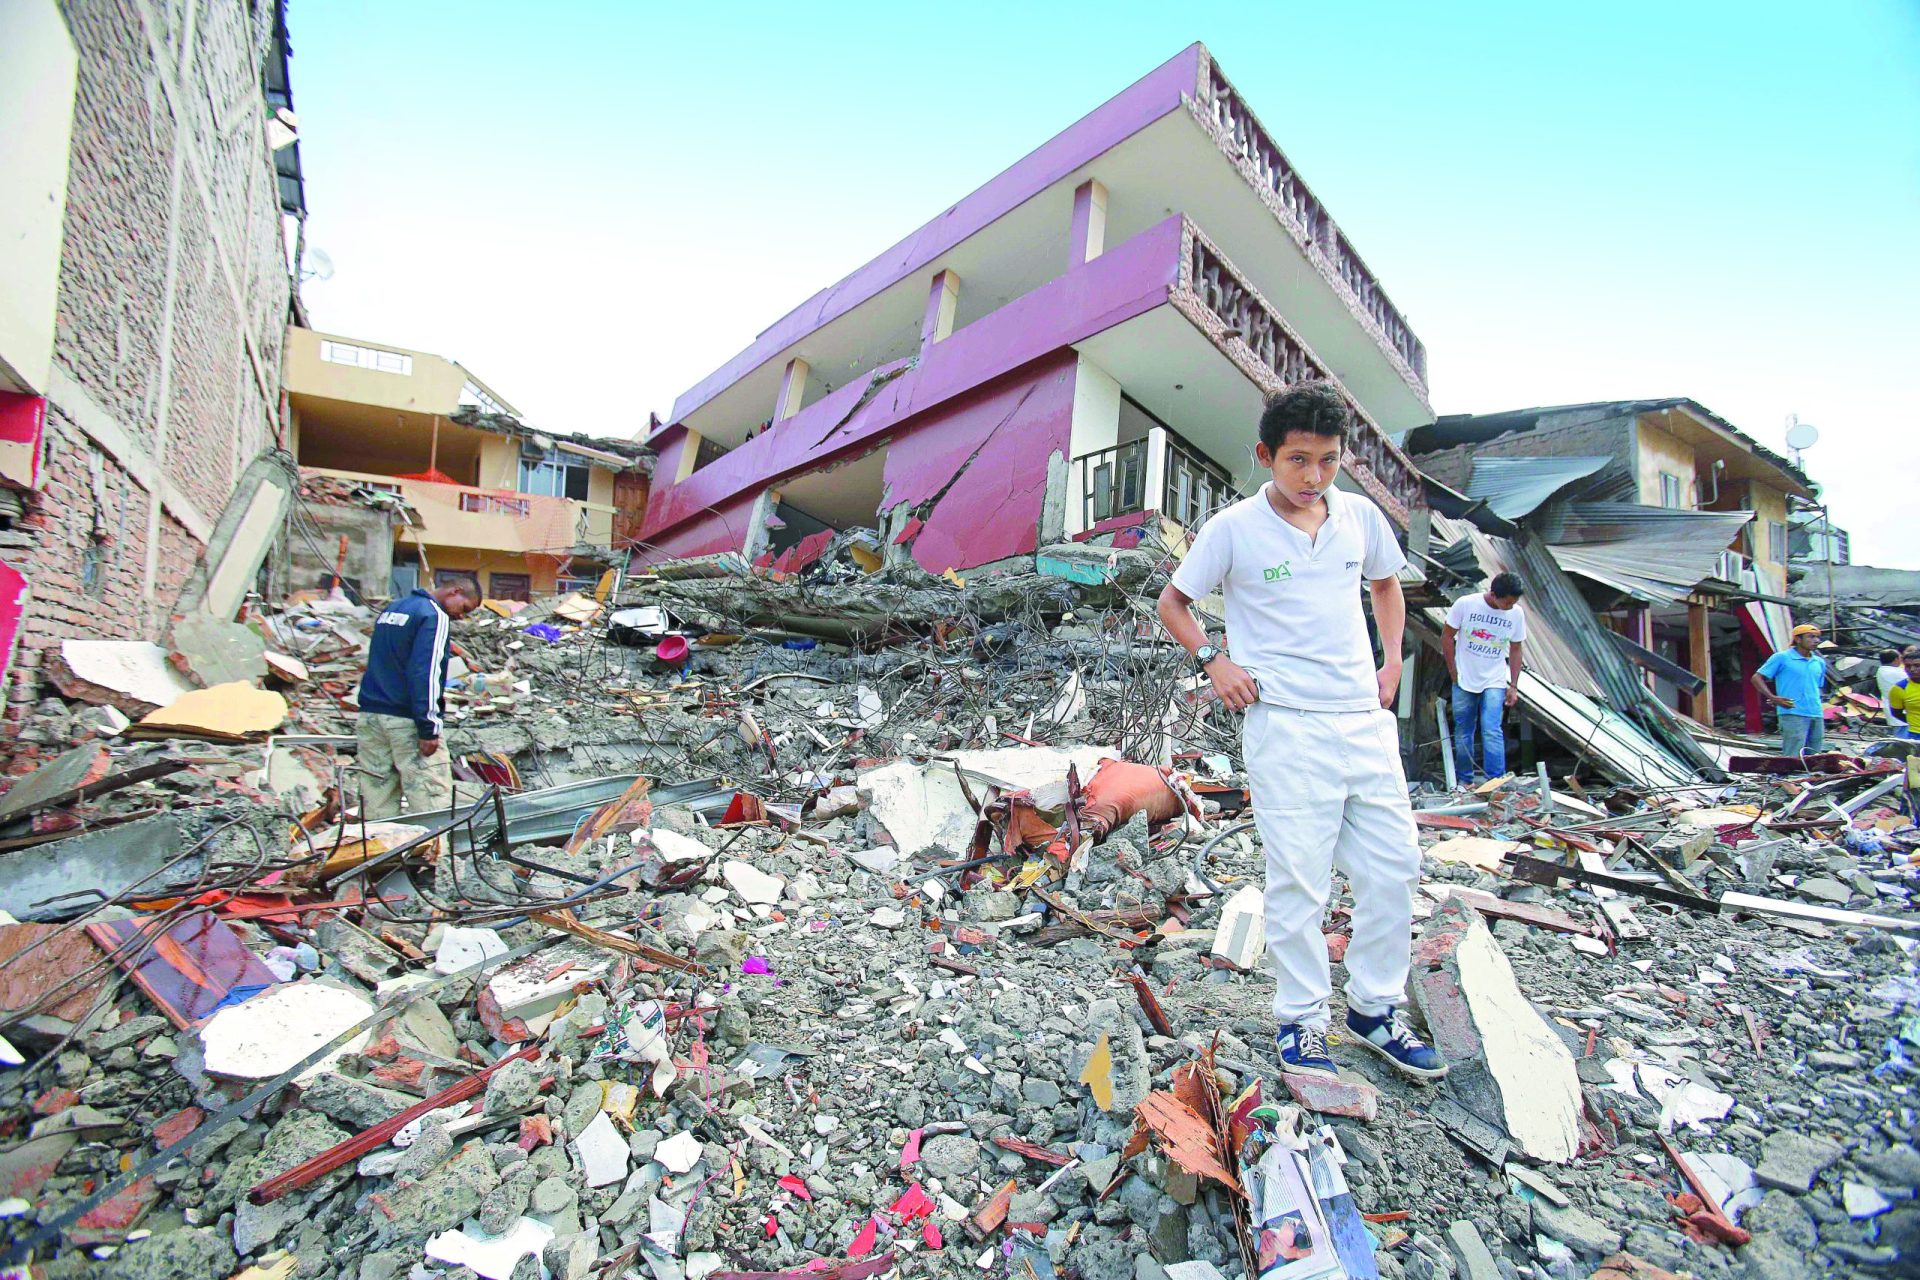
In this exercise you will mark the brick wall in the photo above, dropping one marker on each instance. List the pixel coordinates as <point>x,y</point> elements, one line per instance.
<point>174,296</point>
<point>1556,436</point>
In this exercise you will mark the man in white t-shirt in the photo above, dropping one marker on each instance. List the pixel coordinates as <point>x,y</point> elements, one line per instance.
<point>1481,642</point>
<point>1321,753</point>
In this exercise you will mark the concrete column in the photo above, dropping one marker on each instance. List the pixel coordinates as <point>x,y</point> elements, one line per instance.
<point>1700,661</point>
<point>793,389</point>
<point>689,454</point>
<point>1096,426</point>
<point>942,301</point>
<point>1155,498</point>
<point>1089,234</point>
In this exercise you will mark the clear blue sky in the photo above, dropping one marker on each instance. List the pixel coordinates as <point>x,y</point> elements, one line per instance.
<point>593,205</point>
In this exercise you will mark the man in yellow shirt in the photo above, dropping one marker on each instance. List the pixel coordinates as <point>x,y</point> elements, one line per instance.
<point>1905,696</point>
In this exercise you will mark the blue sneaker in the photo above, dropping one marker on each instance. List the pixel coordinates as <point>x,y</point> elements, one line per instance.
<point>1389,1036</point>
<point>1304,1049</point>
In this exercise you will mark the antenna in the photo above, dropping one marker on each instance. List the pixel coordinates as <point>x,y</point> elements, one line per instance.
<point>1800,436</point>
<point>315,264</point>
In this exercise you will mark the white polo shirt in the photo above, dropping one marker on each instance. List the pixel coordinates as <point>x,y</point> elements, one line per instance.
<point>1293,602</point>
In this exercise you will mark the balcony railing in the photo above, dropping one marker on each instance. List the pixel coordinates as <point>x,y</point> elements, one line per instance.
<point>1250,331</point>
<point>1115,482</point>
<point>1233,124</point>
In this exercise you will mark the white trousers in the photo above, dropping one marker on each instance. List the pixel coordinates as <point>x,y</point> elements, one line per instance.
<point>1328,791</point>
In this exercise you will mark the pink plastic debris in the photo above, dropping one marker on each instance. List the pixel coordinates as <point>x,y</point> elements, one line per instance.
<point>755,964</point>
<point>796,1185</point>
<point>910,1153</point>
<point>916,1203</point>
<point>863,1243</point>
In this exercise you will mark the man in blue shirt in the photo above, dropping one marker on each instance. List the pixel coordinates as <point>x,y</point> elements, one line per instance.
<point>402,702</point>
<point>1798,675</point>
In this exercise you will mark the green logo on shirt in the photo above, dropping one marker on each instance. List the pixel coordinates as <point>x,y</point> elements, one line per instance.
<point>1280,571</point>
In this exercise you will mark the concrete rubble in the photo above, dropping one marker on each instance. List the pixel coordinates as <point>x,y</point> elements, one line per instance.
<point>832,972</point>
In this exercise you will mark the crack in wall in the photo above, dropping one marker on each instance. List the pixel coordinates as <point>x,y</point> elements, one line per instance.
<point>926,506</point>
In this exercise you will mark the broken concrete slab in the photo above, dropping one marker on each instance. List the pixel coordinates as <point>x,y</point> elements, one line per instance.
<point>264,1036</point>
<point>63,773</point>
<point>1575,1228</point>
<point>132,676</point>
<point>62,878</point>
<point>919,806</point>
<point>233,712</point>
<point>602,1151</point>
<point>1791,1160</point>
<point>1335,1096</point>
<point>1508,1065</point>
<point>754,886</point>
<point>217,652</point>
<point>1241,935</point>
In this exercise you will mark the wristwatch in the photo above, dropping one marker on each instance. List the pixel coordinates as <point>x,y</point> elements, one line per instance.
<point>1204,654</point>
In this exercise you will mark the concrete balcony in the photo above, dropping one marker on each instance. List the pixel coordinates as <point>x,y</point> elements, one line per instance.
<point>1232,124</point>
<point>1178,141</point>
<point>471,518</point>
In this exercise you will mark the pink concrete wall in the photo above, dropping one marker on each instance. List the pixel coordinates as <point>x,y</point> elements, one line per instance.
<point>1124,282</point>
<point>981,461</point>
<point>724,528</point>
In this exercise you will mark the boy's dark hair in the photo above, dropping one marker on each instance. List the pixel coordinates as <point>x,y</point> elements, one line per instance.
<point>1313,407</point>
<point>465,583</point>
<point>1889,656</point>
<point>1911,651</point>
<point>1507,586</point>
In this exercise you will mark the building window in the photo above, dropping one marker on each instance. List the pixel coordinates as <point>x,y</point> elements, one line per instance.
<point>1673,490</point>
<point>475,395</point>
<point>1777,541</point>
<point>564,584</point>
<point>554,475</point>
<point>510,586</point>
<point>493,504</point>
<point>366,358</point>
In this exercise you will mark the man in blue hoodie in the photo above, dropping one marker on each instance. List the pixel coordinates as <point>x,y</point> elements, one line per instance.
<point>402,700</point>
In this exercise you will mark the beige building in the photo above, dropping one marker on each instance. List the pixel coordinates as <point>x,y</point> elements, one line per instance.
<point>1675,522</point>
<point>425,471</point>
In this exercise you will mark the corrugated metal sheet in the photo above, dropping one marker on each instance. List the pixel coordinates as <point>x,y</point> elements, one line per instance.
<point>1547,651</point>
<point>1650,553</point>
<point>1596,732</point>
<point>1514,487</point>
<point>1566,645</point>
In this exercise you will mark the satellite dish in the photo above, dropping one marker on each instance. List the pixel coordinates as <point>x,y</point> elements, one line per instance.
<point>316,265</point>
<point>1802,435</point>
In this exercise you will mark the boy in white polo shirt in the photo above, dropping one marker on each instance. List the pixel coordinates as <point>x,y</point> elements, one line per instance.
<point>1322,754</point>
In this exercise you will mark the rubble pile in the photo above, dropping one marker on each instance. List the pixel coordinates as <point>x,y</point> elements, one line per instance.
<point>840,927</point>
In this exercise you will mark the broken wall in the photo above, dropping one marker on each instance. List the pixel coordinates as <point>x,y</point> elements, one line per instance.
<point>1553,437</point>
<point>980,470</point>
<point>173,298</point>
<point>368,563</point>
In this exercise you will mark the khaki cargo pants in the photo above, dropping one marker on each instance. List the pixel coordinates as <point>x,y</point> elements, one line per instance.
<point>392,770</point>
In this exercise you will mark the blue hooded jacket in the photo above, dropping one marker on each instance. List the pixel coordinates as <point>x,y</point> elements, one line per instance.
<point>407,663</point>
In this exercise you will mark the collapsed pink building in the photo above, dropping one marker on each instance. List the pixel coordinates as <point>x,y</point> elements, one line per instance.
<point>1077,348</point>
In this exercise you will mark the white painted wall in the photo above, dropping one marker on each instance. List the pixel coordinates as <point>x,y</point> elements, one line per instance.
<point>38,69</point>
<point>1096,426</point>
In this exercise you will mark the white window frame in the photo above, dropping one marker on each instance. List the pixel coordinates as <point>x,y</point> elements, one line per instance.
<point>371,358</point>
